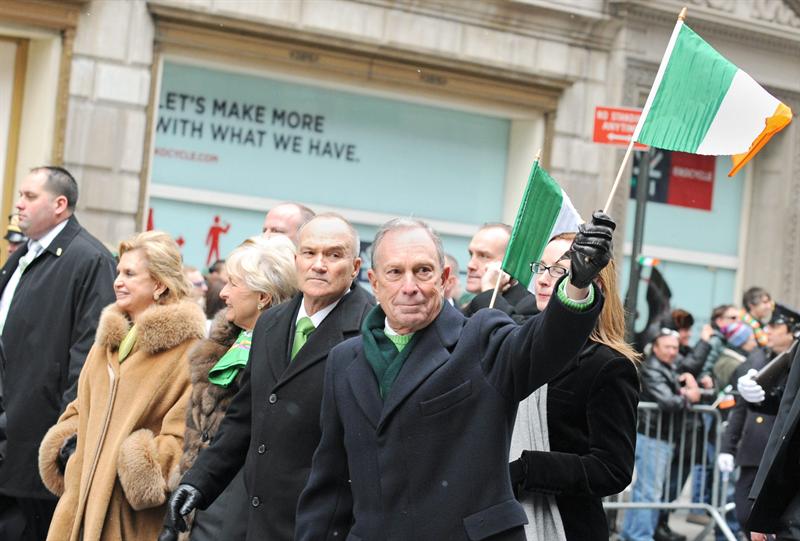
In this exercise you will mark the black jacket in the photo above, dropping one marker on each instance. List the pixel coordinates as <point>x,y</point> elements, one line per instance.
<point>660,385</point>
<point>272,424</point>
<point>747,431</point>
<point>591,423</point>
<point>48,333</point>
<point>778,477</point>
<point>431,461</point>
<point>517,302</point>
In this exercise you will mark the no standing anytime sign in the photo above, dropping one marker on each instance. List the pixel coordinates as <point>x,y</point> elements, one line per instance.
<point>615,125</point>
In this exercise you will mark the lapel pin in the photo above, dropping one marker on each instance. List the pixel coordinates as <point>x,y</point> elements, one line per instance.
<point>58,252</point>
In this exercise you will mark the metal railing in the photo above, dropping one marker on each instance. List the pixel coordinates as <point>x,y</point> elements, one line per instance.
<point>693,437</point>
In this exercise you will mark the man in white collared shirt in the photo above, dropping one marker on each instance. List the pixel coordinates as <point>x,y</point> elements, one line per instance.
<point>51,294</point>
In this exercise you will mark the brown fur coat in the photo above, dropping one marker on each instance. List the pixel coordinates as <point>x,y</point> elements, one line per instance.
<point>130,421</point>
<point>208,402</point>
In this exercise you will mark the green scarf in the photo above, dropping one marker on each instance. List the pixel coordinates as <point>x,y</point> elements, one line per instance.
<point>229,365</point>
<point>385,355</point>
<point>126,346</point>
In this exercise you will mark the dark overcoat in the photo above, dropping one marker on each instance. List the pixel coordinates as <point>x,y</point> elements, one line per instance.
<point>591,424</point>
<point>431,461</point>
<point>48,333</point>
<point>517,302</point>
<point>272,424</point>
<point>777,482</point>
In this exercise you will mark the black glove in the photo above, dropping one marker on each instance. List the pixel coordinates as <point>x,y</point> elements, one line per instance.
<point>184,500</point>
<point>591,249</point>
<point>168,533</point>
<point>67,448</point>
<point>518,471</point>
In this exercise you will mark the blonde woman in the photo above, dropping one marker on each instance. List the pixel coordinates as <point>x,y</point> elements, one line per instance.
<point>261,274</point>
<point>129,414</point>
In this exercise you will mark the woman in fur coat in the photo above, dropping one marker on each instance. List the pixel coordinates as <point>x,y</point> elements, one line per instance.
<point>111,453</point>
<point>577,434</point>
<point>261,274</point>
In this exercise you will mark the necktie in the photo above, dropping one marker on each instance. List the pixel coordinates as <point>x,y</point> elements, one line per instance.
<point>25,260</point>
<point>303,329</point>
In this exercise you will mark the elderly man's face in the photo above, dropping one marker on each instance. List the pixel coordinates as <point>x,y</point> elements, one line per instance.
<point>408,280</point>
<point>325,262</point>
<point>665,348</point>
<point>282,220</point>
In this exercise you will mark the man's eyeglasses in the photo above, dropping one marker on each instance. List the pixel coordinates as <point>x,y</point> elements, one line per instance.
<point>556,271</point>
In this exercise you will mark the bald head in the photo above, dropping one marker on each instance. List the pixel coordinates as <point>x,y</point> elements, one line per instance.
<point>286,219</point>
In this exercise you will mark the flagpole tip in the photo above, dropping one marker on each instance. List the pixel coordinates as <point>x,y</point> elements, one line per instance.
<point>682,16</point>
<point>538,155</point>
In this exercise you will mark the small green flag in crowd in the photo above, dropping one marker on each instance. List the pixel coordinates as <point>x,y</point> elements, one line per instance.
<point>545,211</point>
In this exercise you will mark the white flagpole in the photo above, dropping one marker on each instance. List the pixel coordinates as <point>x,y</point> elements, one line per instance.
<point>661,69</point>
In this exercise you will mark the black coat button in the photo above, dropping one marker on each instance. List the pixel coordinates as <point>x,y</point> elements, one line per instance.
<point>262,449</point>
<point>273,398</point>
<point>255,502</point>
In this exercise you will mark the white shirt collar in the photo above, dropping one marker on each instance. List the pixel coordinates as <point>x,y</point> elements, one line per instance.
<point>387,329</point>
<point>50,236</point>
<point>320,315</point>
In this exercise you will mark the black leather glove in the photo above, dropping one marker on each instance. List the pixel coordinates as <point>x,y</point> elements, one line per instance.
<point>184,500</point>
<point>591,250</point>
<point>168,533</point>
<point>67,448</point>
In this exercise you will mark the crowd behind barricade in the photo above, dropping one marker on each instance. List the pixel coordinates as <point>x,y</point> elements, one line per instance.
<point>274,398</point>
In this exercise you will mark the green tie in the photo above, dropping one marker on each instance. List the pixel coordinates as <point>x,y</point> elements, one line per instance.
<point>304,327</point>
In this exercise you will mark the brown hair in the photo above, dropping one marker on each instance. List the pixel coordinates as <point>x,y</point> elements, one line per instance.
<point>163,263</point>
<point>610,328</point>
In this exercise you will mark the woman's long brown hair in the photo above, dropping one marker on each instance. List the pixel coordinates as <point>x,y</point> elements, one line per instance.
<point>610,328</point>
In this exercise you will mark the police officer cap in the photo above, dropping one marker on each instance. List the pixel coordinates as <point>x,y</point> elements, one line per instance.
<point>783,315</point>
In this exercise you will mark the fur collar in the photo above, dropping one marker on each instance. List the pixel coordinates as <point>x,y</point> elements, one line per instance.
<point>205,354</point>
<point>161,327</point>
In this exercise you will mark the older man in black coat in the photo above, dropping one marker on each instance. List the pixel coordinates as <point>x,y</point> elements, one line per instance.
<point>272,424</point>
<point>53,290</point>
<point>418,411</point>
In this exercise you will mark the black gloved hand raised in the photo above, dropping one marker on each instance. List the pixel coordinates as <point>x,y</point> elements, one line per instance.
<point>184,500</point>
<point>591,250</point>
<point>66,450</point>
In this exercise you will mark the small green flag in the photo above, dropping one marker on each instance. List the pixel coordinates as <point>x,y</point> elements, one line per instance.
<point>545,211</point>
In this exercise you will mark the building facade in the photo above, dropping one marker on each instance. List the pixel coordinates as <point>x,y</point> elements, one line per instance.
<point>197,115</point>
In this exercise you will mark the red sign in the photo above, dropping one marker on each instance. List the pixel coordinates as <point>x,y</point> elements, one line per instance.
<point>615,125</point>
<point>691,180</point>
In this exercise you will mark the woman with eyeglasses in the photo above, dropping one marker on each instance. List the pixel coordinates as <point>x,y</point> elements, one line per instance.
<point>577,434</point>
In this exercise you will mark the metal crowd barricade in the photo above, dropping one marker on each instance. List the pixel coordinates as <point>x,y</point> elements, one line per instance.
<point>695,436</point>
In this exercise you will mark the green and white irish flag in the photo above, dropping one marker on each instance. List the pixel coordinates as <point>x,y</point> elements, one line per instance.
<point>701,103</point>
<point>545,211</point>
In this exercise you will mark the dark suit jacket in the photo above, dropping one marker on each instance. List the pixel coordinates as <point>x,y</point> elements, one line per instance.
<point>48,333</point>
<point>272,424</point>
<point>591,423</point>
<point>778,479</point>
<point>517,302</point>
<point>431,462</point>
